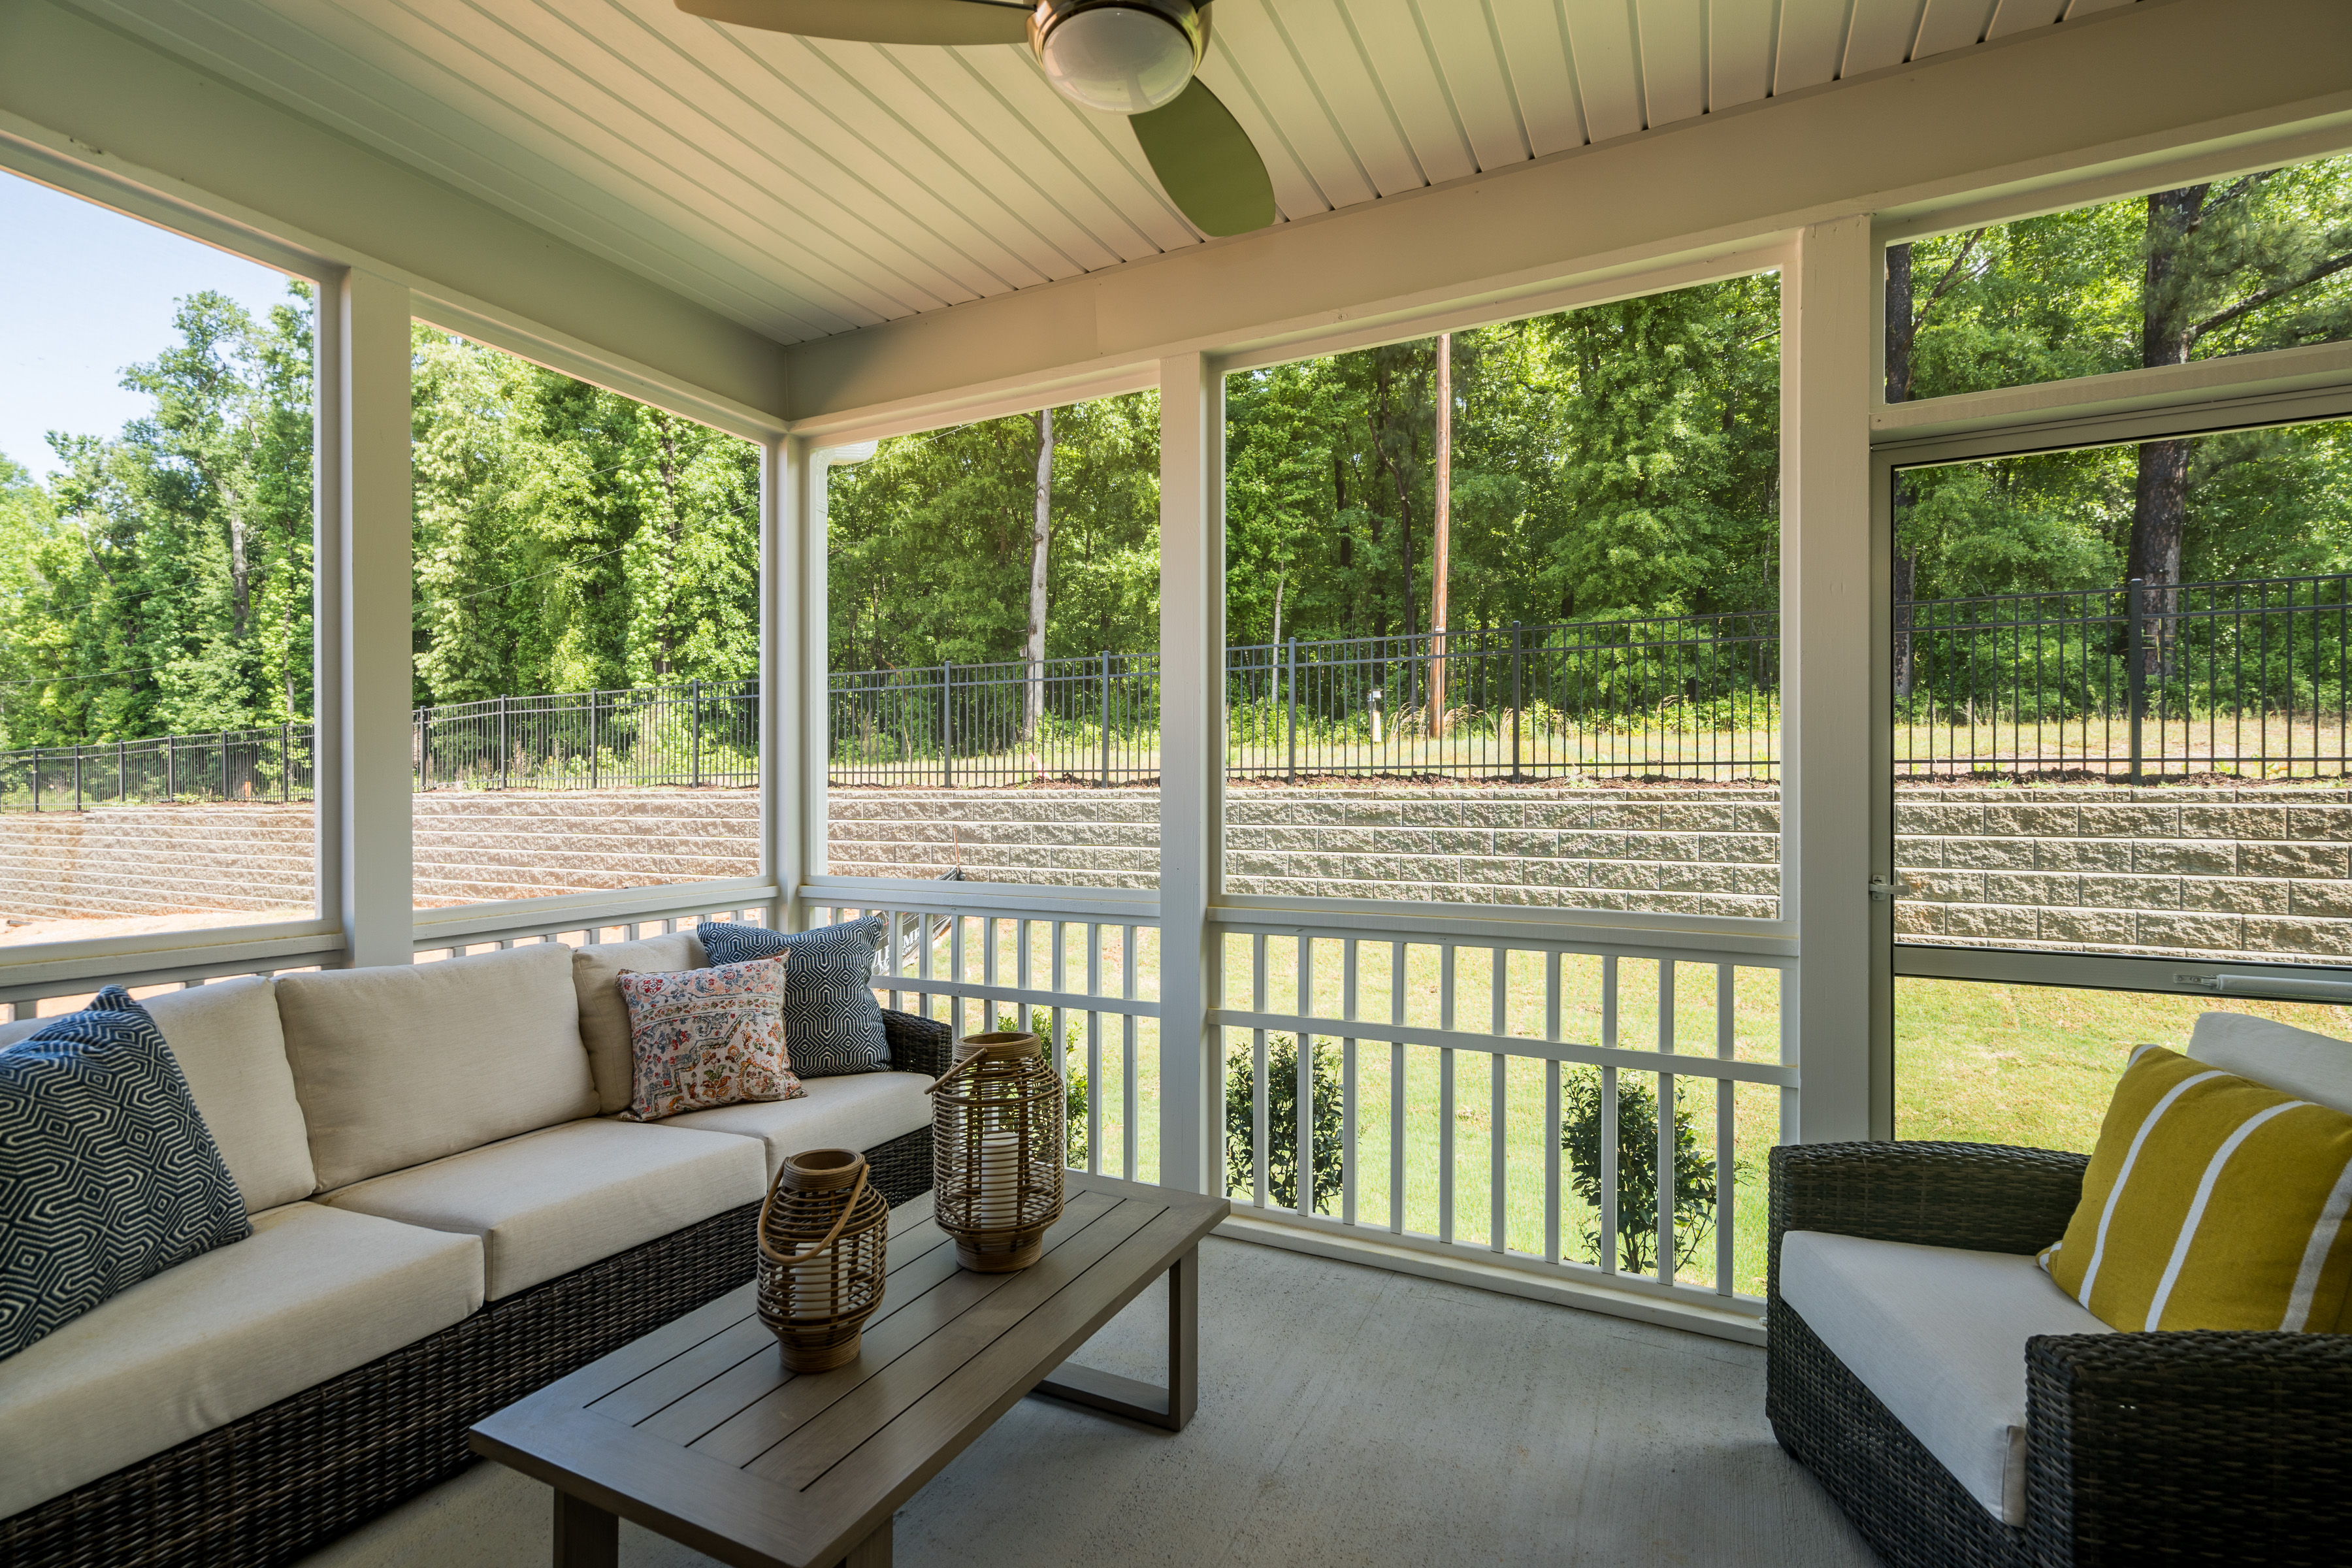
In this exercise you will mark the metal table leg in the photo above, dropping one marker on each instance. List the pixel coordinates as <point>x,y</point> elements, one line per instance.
<point>585,1535</point>
<point>1169,1407</point>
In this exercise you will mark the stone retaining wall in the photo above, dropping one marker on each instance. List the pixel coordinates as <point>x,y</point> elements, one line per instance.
<point>2257,873</point>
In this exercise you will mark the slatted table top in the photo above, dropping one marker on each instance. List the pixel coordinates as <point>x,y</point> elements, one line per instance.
<point>697,1430</point>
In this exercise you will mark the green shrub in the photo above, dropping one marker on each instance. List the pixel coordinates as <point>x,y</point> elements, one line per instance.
<point>1282,1124</point>
<point>1637,1169</point>
<point>1073,1081</point>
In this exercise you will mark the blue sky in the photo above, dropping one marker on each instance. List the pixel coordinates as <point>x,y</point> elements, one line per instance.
<point>84,292</point>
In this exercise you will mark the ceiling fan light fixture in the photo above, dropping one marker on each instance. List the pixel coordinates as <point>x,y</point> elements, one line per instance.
<point>1124,57</point>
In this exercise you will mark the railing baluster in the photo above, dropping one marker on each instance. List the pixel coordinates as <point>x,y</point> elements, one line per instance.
<point>1726,1130</point>
<point>1667,1191</point>
<point>1130,1119</point>
<point>1551,1110</point>
<point>1348,982</point>
<point>1305,1104</point>
<point>1093,1050</point>
<point>1607,1245</point>
<point>1259,1072</point>
<point>1396,1091</point>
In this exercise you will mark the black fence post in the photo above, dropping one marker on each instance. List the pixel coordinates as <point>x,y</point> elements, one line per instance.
<point>947,724</point>
<point>37,778</point>
<point>1106,718</point>
<point>122,772</point>
<point>594,762</point>
<point>2135,671</point>
<point>285,762</point>
<point>1292,683</point>
<point>693,698</point>
<point>77,775</point>
<point>1518,712</point>
<point>171,769</point>
<point>502,740</point>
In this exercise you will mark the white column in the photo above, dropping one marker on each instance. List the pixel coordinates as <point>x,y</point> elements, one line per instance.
<point>1192,760</point>
<point>783,800</point>
<point>1827,655</point>
<point>365,625</point>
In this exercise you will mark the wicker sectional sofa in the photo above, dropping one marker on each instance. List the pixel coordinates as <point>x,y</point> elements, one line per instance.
<point>1965,1411</point>
<point>418,1260</point>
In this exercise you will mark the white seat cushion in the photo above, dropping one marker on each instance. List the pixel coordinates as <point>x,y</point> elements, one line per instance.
<point>553,1201</point>
<point>1939,1335</point>
<point>605,1016</point>
<point>227,1039</point>
<point>854,1113</point>
<point>313,1292</point>
<point>406,1063</point>
<point>2316,1068</point>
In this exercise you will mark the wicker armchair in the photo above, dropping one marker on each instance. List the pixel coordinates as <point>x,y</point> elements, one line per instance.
<point>2143,1448</point>
<point>272,1486</point>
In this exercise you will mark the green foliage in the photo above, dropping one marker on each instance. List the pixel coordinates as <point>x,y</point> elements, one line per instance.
<point>930,540</point>
<point>1637,1169</point>
<point>162,581</point>
<point>1282,1124</point>
<point>1074,1080</point>
<point>568,539</point>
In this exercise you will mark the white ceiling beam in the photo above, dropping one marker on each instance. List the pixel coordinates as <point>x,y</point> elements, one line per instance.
<point>2041,108</point>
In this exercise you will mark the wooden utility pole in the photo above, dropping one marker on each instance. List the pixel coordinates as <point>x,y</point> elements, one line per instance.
<point>1440,557</point>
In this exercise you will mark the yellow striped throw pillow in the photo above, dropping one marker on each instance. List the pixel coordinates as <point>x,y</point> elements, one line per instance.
<point>2210,1203</point>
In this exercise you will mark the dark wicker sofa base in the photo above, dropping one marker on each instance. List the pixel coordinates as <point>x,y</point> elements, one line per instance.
<point>274,1486</point>
<point>2146,1447</point>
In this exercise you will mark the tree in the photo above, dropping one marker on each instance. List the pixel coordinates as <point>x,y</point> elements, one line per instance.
<point>1041,536</point>
<point>1693,1177</point>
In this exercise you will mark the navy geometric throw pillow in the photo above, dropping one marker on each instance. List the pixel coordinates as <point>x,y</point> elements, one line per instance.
<point>107,1174</point>
<point>832,1025</point>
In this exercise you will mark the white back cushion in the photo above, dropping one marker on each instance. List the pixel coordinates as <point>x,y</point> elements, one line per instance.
<point>604,1018</point>
<point>227,1039</point>
<point>408,1063</point>
<point>2317,1068</point>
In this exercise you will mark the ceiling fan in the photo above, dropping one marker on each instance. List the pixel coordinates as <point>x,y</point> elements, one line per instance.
<point>1135,58</point>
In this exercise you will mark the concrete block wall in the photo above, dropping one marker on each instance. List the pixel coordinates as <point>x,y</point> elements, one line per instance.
<point>1700,852</point>
<point>2258,873</point>
<point>471,848</point>
<point>2261,873</point>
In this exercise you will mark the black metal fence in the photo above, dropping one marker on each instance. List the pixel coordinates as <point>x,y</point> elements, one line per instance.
<point>1678,697</point>
<point>693,734</point>
<point>2132,684</point>
<point>2129,684</point>
<point>264,764</point>
<point>1090,720</point>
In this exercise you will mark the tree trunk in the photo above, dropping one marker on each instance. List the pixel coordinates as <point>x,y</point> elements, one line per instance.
<point>1280,581</point>
<point>2160,504</point>
<point>1040,538</point>
<point>1905,573</point>
<point>1440,556</point>
<point>1899,329</point>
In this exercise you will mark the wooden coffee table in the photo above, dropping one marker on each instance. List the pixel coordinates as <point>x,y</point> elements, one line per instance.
<point>697,1430</point>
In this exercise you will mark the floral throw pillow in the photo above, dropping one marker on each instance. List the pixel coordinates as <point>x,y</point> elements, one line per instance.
<point>700,1038</point>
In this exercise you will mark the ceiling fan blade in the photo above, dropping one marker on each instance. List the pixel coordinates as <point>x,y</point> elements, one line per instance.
<point>1206,163</point>
<point>876,21</point>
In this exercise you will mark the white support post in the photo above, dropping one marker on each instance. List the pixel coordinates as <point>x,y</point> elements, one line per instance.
<point>1191,763</point>
<point>1828,305</point>
<point>365,636</point>
<point>792,537</point>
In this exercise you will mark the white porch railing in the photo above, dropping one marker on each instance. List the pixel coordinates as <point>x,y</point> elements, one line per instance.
<point>1456,1065</point>
<point>1415,1023</point>
<point>976,970</point>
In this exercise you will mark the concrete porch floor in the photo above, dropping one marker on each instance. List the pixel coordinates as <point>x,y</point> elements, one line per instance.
<point>1347,1416</point>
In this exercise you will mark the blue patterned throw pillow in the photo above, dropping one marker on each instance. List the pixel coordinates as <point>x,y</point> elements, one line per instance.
<point>832,1025</point>
<point>107,1174</point>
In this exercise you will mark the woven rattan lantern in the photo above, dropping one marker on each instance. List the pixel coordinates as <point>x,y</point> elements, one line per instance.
<point>996,1141</point>
<point>821,1235</point>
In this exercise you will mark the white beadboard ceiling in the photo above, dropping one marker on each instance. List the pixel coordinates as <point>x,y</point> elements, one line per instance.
<point>805,188</point>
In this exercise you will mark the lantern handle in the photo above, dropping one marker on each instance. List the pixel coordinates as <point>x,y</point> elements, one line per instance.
<point>772,1255</point>
<point>940,1082</point>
